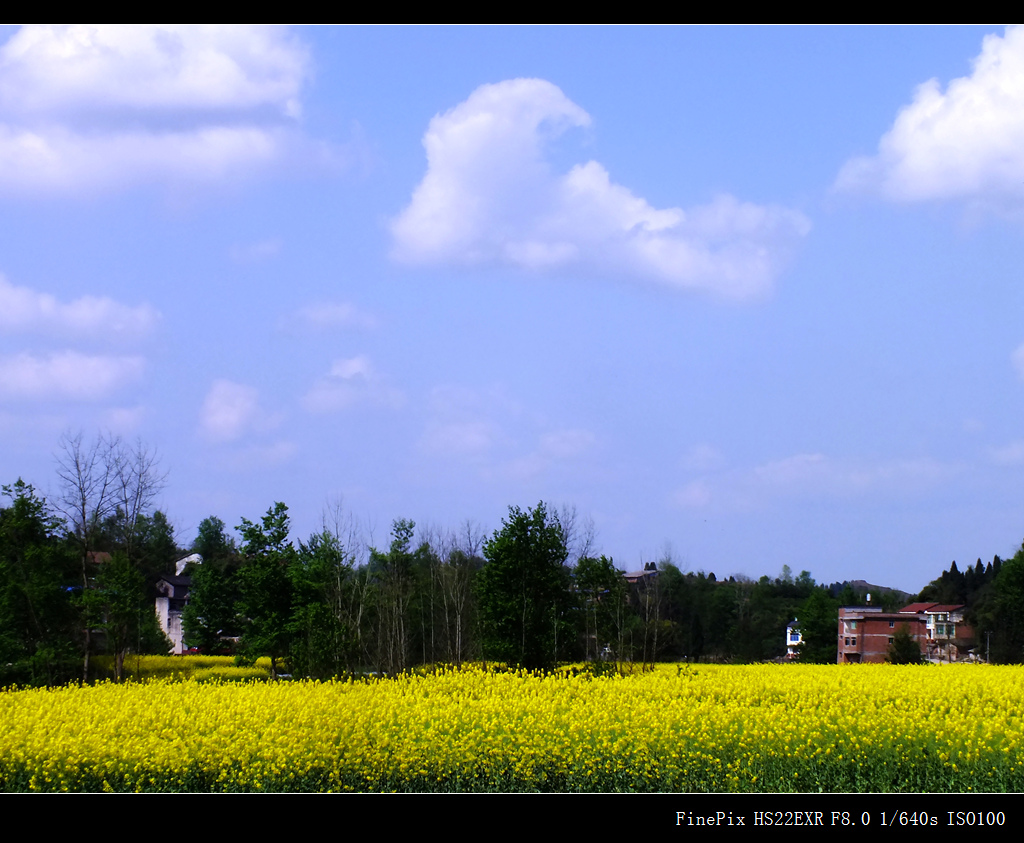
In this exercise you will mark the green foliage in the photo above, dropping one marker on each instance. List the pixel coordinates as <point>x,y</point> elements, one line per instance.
<point>37,615</point>
<point>819,624</point>
<point>602,593</point>
<point>904,649</point>
<point>265,594</point>
<point>524,590</point>
<point>213,543</point>
<point>1002,612</point>
<point>120,600</point>
<point>325,639</point>
<point>210,615</point>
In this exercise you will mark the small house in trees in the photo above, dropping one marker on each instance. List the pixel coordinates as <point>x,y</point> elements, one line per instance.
<point>648,574</point>
<point>172,594</point>
<point>793,640</point>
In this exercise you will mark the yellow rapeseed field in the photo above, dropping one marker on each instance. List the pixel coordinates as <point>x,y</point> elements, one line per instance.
<point>679,728</point>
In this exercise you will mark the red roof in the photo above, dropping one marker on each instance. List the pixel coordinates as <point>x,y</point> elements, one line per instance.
<point>931,608</point>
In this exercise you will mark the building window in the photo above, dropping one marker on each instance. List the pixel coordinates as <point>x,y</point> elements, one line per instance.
<point>890,641</point>
<point>892,624</point>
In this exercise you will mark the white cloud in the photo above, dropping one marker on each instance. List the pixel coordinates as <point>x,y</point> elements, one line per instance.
<point>566,444</point>
<point>814,476</point>
<point>230,410</point>
<point>349,382</point>
<point>462,438</point>
<point>1011,454</point>
<point>256,252</point>
<point>555,447</point>
<point>467,423</point>
<point>964,142</point>
<point>490,196</point>
<point>328,315</point>
<point>106,105</point>
<point>1017,358</point>
<point>693,495</point>
<point>67,375</point>
<point>22,309</point>
<point>702,457</point>
<point>258,457</point>
<point>125,420</point>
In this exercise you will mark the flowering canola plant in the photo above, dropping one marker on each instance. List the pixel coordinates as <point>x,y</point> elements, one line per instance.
<point>767,728</point>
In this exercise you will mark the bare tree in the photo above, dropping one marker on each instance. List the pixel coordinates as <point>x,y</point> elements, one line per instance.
<point>137,482</point>
<point>98,481</point>
<point>86,495</point>
<point>85,499</point>
<point>579,532</point>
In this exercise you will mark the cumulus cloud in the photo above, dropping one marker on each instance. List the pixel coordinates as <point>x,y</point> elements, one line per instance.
<point>491,196</point>
<point>25,310</point>
<point>230,410</point>
<point>350,382</point>
<point>67,375</point>
<point>964,142</point>
<point>106,105</point>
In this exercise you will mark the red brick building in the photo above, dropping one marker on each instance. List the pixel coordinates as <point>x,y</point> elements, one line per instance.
<point>865,632</point>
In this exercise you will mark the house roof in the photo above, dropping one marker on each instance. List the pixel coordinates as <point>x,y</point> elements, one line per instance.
<point>174,586</point>
<point>926,608</point>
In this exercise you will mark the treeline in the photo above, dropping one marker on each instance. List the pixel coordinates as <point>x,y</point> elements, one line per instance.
<point>78,576</point>
<point>993,595</point>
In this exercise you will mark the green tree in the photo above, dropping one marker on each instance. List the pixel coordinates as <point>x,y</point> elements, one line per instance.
<point>819,628</point>
<point>524,590</point>
<point>209,615</point>
<point>265,602</point>
<point>904,649</point>
<point>37,616</point>
<point>602,593</point>
<point>393,577</point>
<point>213,543</point>
<point>120,599</point>
<point>326,641</point>
<point>1002,612</point>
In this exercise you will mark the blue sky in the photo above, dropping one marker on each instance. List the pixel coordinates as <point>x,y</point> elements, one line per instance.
<point>749,296</point>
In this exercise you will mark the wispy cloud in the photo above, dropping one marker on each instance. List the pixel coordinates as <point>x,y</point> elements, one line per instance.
<point>93,317</point>
<point>350,382</point>
<point>330,315</point>
<point>229,411</point>
<point>491,196</point>
<point>812,475</point>
<point>67,375</point>
<point>1017,358</point>
<point>256,252</point>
